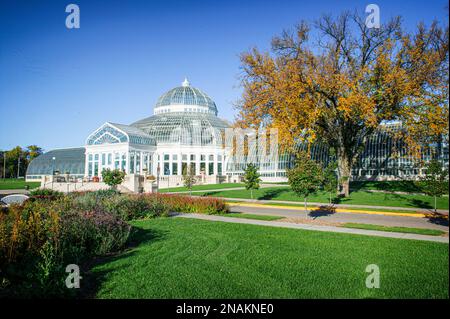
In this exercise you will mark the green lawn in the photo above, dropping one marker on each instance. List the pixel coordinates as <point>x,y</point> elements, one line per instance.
<point>421,231</point>
<point>14,183</point>
<point>253,216</point>
<point>186,258</point>
<point>202,187</point>
<point>390,186</point>
<point>356,198</point>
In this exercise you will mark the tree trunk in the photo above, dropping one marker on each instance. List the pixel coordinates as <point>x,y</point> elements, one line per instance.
<point>435,205</point>
<point>251,193</point>
<point>306,206</point>
<point>330,198</point>
<point>344,170</point>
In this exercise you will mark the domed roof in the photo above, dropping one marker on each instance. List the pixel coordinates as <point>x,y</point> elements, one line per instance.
<point>185,98</point>
<point>184,128</point>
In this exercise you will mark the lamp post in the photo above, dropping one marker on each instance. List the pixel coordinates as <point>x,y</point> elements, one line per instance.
<point>18,167</point>
<point>4,165</point>
<point>53,169</point>
<point>158,170</point>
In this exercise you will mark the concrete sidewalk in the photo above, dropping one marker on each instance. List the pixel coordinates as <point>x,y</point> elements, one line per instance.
<point>350,206</point>
<point>392,220</point>
<point>334,229</point>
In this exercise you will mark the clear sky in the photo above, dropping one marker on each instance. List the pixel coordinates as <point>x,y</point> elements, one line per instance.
<point>57,85</point>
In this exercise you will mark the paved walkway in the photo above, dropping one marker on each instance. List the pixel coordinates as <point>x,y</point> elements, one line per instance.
<point>406,209</point>
<point>237,188</point>
<point>317,228</point>
<point>384,220</point>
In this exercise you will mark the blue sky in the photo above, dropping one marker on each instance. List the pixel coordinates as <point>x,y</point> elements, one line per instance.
<point>58,85</point>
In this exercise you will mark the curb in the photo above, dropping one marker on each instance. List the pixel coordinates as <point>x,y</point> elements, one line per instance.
<point>337,210</point>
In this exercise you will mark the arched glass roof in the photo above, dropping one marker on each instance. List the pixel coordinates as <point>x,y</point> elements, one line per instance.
<point>184,128</point>
<point>111,133</point>
<point>68,160</point>
<point>188,96</point>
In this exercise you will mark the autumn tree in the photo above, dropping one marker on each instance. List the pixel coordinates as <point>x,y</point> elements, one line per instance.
<point>337,80</point>
<point>33,151</point>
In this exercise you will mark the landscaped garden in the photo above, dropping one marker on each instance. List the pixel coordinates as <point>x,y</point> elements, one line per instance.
<point>51,230</point>
<point>128,248</point>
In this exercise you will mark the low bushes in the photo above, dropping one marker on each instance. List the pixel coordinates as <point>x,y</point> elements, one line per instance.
<point>45,193</point>
<point>134,206</point>
<point>39,238</point>
<point>187,204</point>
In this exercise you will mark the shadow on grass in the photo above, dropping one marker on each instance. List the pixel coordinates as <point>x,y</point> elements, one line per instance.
<point>207,194</point>
<point>388,186</point>
<point>272,193</point>
<point>321,211</point>
<point>267,194</point>
<point>438,219</point>
<point>411,202</point>
<point>92,280</point>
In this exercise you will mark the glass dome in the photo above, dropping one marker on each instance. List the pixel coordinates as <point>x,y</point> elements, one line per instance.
<point>185,98</point>
<point>200,129</point>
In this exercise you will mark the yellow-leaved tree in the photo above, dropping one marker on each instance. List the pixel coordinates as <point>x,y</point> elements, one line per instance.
<point>336,81</point>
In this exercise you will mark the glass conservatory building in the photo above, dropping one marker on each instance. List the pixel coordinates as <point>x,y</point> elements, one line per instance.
<point>185,132</point>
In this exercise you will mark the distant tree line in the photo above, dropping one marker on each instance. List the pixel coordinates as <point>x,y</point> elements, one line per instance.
<point>14,162</point>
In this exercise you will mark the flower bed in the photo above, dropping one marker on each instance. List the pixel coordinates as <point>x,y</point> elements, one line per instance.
<point>39,238</point>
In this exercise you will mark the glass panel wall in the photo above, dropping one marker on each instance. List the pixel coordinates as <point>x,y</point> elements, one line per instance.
<point>138,163</point>
<point>131,164</point>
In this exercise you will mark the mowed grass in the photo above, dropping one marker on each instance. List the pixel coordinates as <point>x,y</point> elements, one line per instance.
<point>389,186</point>
<point>421,231</point>
<point>186,258</point>
<point>355,198</point>
<point>14,183</point>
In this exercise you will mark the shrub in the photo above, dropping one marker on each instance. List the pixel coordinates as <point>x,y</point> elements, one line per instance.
<point>188,204</point>
<point>39,238</point>
<point>45,193</point>
<point>130,207</point>
<point>28,236</point>
<point>91,233</point>
<point>113,177</point>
